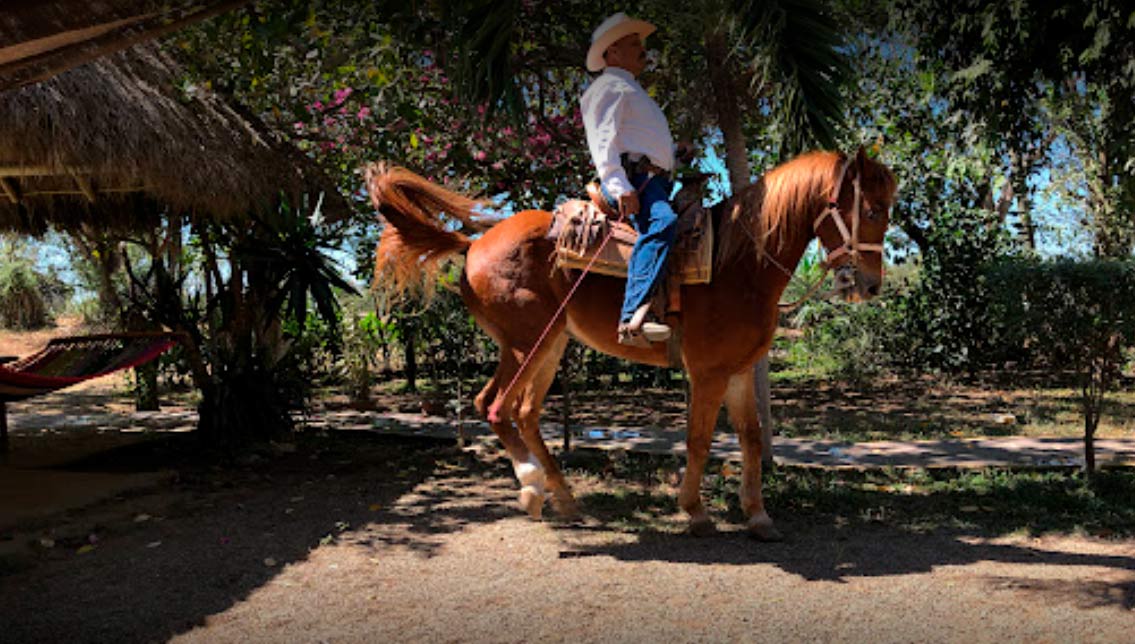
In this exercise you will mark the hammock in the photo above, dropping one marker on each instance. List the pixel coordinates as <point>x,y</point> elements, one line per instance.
<point>68,361</point>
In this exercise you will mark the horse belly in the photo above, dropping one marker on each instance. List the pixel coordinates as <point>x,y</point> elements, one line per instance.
<point>593,319</point>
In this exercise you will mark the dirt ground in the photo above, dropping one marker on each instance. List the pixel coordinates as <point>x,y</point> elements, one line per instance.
<point>354,536</point>
<point>370,538</point>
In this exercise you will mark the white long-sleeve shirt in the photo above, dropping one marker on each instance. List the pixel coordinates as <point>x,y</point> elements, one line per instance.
<point>619,116</point>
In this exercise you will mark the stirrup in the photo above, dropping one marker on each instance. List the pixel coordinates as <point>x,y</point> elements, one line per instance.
<point>632,338</point>
<point>651,330</point>
<point>655,331</point>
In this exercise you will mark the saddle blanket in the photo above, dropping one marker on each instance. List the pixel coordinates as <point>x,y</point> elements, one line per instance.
<point>579,228</point>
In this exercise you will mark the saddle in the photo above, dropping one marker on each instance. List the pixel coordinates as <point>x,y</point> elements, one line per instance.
<point>579,227</point>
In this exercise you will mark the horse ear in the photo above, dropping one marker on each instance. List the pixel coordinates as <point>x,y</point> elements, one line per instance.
<point>861,157</point>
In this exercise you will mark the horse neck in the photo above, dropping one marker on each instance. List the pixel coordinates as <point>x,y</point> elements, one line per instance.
<point>775,265</point>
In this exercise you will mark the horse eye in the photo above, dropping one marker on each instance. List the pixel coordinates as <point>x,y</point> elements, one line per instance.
<point>871,214</point>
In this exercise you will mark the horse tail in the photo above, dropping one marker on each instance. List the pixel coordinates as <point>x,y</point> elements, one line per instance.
<point>416,240</point>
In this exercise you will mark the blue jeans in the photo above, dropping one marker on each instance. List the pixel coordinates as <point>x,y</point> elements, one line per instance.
<point>656,224</point>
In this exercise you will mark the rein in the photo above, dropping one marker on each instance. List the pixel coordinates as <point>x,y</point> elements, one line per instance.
<point>851,244</point>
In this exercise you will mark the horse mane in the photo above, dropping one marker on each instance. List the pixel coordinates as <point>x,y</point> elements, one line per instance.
<point>760,215</point>
<point>416,239</point>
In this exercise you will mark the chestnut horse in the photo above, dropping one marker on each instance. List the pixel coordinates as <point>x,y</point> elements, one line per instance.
<point>511,287</point>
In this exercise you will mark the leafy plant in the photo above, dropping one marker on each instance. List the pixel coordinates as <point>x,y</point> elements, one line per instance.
<point>1074,317</point>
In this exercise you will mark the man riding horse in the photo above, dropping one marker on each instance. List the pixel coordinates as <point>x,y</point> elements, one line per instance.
<point>633,153</point>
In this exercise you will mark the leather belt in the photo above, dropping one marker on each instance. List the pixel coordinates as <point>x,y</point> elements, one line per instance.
<point>643,165</point>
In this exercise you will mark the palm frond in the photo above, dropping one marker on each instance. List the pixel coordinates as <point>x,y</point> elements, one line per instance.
<point>798,45</point>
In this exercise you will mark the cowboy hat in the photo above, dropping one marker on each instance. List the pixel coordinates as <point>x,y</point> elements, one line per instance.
<point>612,29</point>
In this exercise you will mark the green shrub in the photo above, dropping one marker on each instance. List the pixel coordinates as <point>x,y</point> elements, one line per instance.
<point>1073,318</point>
<point>942,323</point>
<point>845,341</point>
<point>22,301</point>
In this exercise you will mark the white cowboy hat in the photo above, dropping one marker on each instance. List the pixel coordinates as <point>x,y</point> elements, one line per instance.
<point>612,29</point>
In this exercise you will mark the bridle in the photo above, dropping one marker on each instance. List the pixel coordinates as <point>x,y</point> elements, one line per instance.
<point>851,246</point>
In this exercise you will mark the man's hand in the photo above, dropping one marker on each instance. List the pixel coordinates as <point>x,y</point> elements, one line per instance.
<point>685,152</point>
<point>628,204</point>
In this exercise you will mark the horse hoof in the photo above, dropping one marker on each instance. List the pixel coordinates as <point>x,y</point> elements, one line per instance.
<point>702,528</point>
<point>764,531</point>
<point>532,502</point>
<point>566,509</point>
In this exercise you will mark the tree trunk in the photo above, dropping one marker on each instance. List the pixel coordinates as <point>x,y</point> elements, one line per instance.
<point>146,387</point>
<point>727,105</point>
<point>410,369</point>
<point>565,398</point>
<point>728,110</point>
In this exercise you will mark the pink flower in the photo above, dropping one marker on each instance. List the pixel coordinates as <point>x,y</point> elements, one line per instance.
<point>317,106</point>
<point>342,94</point>
<point>364,112</point>
<point>479,155</point>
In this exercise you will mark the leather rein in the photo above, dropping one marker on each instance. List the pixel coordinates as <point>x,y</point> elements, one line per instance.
<point>851,246</point>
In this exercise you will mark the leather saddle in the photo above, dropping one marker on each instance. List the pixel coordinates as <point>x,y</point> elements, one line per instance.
<point>580,226</point>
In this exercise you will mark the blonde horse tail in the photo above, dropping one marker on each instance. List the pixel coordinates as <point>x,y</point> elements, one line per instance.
<point>416,239</point>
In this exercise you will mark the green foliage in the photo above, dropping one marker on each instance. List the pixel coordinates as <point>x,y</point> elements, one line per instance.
<point>22,305</point>
<point>943,321</point>
<point>843,341</point>
<point>29,296</point>
<point>1077,317</point>
<point>1064,314</point>
<point>1027,74</point>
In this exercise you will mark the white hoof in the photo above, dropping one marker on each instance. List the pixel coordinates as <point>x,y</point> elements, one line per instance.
<point>529,473</point>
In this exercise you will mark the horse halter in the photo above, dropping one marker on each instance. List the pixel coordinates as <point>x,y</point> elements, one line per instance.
<point>851,244</point>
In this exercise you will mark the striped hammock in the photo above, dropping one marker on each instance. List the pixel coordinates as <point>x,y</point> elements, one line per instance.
<point>68,361</point>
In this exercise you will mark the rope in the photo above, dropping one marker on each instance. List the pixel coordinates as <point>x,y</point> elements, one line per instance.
<point>494,410</point>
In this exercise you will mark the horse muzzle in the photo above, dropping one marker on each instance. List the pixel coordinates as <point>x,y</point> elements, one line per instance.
<point>853,285</point>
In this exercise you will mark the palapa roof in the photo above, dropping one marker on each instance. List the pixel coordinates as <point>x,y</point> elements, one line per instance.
<point>120,139</point>
<point>127,131</point>
<point>42,38</point>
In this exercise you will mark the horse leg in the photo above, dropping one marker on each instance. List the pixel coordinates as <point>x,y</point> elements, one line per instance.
<point>528,418</point>
<point>524,465</point>
<point>741,402</point>
<point>530,462</point>
<point>705,399</point>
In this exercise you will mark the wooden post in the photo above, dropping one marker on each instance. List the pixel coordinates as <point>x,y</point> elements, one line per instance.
<point>565,407</point>
<point>10,189</point>
<point>764,409</point>
<point>3,427</point>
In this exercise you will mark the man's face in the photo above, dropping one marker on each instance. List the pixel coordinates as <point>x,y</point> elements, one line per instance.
<point>628,53</point>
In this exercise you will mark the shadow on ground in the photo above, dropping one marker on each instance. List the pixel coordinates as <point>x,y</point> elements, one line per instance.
<point>150,564</point>
<point>815,554</point>
<point>164,560</point>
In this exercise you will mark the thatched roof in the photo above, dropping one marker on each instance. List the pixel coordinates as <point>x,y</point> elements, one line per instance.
<point>42,38</point>
<point>72,148</point>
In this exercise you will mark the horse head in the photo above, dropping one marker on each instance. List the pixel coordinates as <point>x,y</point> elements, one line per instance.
<point>852,226</point>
